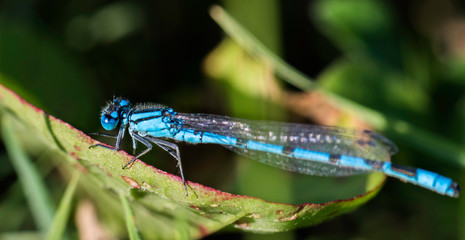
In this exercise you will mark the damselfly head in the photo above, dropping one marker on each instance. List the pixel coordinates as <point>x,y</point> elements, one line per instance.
<point>121,102</point>
<point>113,112</point>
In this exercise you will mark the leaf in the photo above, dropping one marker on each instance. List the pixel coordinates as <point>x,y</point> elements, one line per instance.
<point>60,220</point>
<point>130,221</point>
<point>37,195</point>
<point>158,198</point>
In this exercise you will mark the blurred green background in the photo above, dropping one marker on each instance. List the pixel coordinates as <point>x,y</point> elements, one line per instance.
<point>405,60</point>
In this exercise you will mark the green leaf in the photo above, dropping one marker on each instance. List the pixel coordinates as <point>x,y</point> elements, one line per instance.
<point>37,195</point>
<point>60,220</point>
<point>129,216</point>
<point>158,198</point>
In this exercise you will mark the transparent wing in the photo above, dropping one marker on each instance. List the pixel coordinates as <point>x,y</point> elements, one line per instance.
<point>303,166</point>
<point>357,143</point>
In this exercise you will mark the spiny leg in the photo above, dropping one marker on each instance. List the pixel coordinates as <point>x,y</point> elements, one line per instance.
<point>120,136</point>
<point>118,139</point>
<point>101,145</point>
<point>103,135</point>
<point>173,150</point>
<point>143,141</point>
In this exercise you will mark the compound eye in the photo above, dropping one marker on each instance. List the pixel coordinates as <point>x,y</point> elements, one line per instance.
<point>109,121</point>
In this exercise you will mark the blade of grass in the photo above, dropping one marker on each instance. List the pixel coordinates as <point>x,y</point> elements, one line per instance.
<point>60,221</point>
<point>36,193</point>
<point>255,48</point>
<point>129,217</point>
<point>12,205</point>
<point>399,129</point>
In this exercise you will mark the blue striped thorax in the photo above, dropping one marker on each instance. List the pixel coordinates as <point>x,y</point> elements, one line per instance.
<point>154,122</point>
